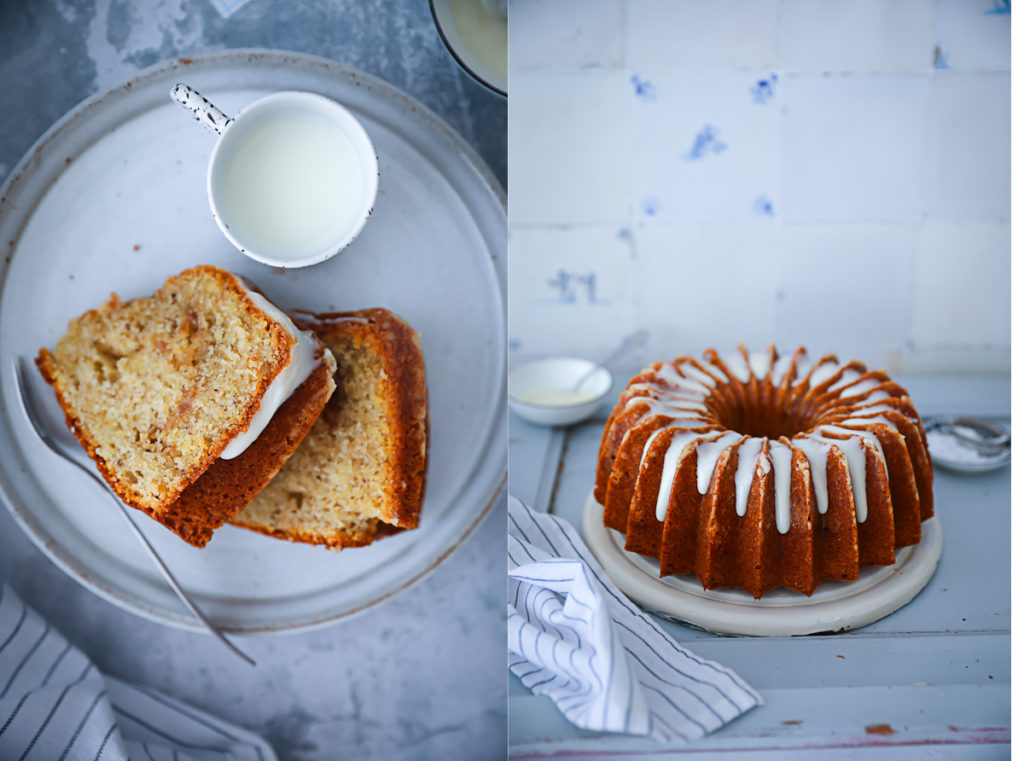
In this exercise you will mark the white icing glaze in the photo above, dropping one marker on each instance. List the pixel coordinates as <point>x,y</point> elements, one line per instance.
<point>859,388</point>
<point>824,372</point>
<point>655,391</point>
<point>682,399</point>
<point>852,448</point>
<point>874,409</point>
<point>676,410</point>
<point>679,426</point>
<point>693,370</point>
<point>708,453</point>
<point>817,458</point>
<point>673,456</point>
<point>802,370</point>
<point>849,375</point>
<point>748,456</point>
<point>877,396</point>
<point>348,318</point>
<point>669,374</point>
<point>782,460</point>
<point>695,387</point>
<point>760,364</point>
<point>738,366</point>
<point>714,370</point>
<point>668,406</point>
<point>855,423</point>
<point>301,363</point>
<point>764,465</point>
<point>865,437</point>
<point>855,461</point>
<point>781,367</point>
<point>682,424</point>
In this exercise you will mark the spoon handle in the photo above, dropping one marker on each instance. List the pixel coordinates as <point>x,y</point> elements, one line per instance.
<point>638,338</point>
<point>203,110</point>
<point>182,594</point>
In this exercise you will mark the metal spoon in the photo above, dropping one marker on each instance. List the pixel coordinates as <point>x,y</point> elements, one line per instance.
<point>639,338</point>
<point>991,440</point>
<point>73,454</point>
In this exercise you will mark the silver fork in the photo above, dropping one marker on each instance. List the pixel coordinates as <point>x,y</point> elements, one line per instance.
<point>77,456</point>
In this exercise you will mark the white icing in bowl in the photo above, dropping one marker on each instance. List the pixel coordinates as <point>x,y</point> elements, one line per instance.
<point>541,391</point>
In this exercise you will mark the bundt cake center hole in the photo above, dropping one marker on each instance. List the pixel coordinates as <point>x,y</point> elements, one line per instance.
<point>763,418</point>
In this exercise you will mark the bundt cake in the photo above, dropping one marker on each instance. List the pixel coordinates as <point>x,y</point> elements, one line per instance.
<point>190,400</point>
<point>360,474</point>
<point>761,470</point>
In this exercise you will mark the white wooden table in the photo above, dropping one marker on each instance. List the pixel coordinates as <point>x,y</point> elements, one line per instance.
<point>935,673</point>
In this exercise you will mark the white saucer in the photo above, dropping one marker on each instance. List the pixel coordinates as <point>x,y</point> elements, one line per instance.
<point>834,607</point>
<point>933,426</point>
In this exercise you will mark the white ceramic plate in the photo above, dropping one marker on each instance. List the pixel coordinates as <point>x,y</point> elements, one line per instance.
<point>834,606</point>
<point>113,198</point>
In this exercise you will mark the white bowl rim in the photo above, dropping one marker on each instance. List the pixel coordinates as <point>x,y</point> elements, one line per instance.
<point>602,371</point>
<point>479,76</point>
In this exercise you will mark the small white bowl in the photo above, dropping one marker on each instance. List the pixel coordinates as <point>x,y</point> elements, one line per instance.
<point>467,29</point>
<point>560,373</point>
<point>349,130</point>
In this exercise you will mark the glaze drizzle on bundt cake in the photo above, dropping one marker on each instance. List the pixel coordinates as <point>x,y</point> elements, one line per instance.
<point>763,470</point>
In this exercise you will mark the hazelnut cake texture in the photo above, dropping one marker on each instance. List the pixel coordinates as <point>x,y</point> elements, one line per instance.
<point>360,474</point>
<point>191,400</point>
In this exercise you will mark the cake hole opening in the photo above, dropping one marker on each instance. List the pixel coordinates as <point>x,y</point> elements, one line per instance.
<point>764,417</point>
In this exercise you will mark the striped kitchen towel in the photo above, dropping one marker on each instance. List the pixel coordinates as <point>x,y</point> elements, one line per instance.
<point>607,665</point>
<point>56,706</point>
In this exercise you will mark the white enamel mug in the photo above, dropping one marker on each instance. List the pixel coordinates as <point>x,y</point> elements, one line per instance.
<point>292,178</point>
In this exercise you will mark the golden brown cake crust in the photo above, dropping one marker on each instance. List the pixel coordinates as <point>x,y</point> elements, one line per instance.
<point>396,344</point>
<point>208,496</point>
<point>337,541</point>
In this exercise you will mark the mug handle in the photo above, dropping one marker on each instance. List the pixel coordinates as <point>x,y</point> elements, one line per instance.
<point>203,110</point>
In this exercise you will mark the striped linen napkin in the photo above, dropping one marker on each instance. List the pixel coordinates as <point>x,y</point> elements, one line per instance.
<point>607,665</point>
<point>56,706</point>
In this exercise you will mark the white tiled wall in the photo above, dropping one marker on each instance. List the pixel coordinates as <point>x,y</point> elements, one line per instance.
<point>852,147</point>
<point>826,172</point>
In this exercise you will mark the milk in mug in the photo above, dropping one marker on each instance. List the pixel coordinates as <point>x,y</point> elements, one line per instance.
<point>288,183</point>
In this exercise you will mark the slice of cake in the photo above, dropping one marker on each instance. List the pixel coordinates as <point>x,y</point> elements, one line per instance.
<point>361,472</point>
<point>191,400</point>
